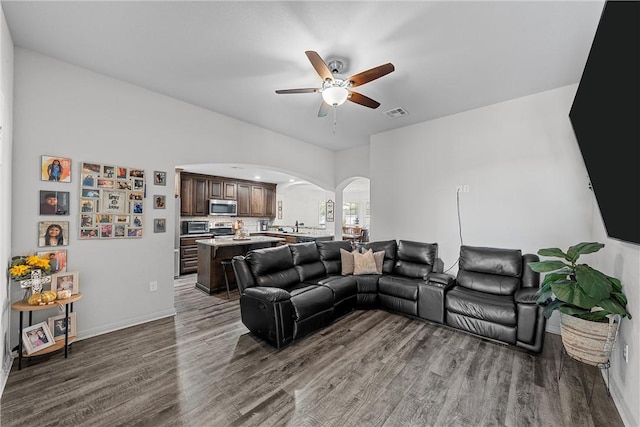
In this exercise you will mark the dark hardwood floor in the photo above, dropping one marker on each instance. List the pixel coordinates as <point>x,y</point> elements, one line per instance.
<point>370,368</point>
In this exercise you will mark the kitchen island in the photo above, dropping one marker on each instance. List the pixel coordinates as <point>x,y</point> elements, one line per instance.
<point>212,251</point>
<point>293,237</point>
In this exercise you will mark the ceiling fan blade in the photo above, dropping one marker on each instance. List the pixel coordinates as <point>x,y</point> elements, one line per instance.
<point>319,65</point>
<point>358,98</point>
<point>371,74</point>
<point>324,109</point>
<point>305,90</point>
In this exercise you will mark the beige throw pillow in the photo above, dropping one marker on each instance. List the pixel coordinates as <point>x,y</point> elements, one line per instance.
<point>347,262</point>
<point>364,263</point>
<point>379,257</point>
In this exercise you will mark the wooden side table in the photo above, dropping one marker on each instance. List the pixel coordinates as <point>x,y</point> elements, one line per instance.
<point>23,307</point>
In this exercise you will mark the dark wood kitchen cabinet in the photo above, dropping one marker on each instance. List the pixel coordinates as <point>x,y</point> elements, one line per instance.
<point>270,201</point>
<point>194,195</point>
<point>244,199</point>
<point>255,199</point>
<point>222,189</point>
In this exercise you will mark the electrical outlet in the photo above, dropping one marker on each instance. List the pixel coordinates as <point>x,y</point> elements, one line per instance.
<point>625,352</point>
<point>153,286</point>
<point>465,188</point>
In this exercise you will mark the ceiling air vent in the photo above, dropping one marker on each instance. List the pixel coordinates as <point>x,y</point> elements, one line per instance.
<point>396,112</point>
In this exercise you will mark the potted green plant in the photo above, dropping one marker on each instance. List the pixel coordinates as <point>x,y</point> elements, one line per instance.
<point>590,302</point>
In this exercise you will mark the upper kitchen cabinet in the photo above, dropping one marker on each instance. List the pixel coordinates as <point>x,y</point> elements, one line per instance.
<point>222,189</point>
<point>255,199</point>
<point>244,199</point>
<point>194,191</point>
<point>270,201</point>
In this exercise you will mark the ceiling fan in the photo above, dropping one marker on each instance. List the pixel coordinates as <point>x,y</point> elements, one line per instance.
<point>336,91</point>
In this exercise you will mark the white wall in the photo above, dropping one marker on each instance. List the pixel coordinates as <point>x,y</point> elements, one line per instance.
<point>6,141</point>
<point>301,202</point>
<point>64,110</point>
<point>528,190</point>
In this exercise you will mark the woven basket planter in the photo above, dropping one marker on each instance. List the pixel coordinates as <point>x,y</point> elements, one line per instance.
<point>586,341</point>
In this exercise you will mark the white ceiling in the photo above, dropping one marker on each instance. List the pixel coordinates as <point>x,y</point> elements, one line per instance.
<point>230,57</point>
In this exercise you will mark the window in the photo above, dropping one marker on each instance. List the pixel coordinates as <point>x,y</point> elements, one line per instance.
<point>323,213</point>
<point>350,211</point>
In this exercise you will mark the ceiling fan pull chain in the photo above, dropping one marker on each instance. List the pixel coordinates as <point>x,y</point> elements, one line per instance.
<point>335,120</point>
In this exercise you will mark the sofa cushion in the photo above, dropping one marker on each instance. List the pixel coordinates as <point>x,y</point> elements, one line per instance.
<point>306,259</point>
<point>415,259</point>
<point>273,267</point>
<point>503,262</point>
<point>379,258</point>
<point>304,253</point>
<point>399,287</point>
<point>364,263</point>
<point>330,254</point>
<point>389,247</point>
<point>479,305</point>
<point>490,270</point>
<point>310,300</point>
<point>347,262</point>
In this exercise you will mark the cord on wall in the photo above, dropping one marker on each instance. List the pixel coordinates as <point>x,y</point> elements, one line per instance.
<point>459,227</point>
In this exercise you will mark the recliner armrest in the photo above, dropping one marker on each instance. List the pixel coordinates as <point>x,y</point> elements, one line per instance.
<point>442,280</point>
<point>268,294</point>
<point>526,296</point>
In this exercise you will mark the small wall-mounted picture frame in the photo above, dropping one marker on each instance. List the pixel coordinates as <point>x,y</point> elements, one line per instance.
<point>136,207</point>
<point>57,259</point>
<point>37,337</point>
<point>90,193</point>
<point>67,281</point>
<point>330,211</point>
<point>89,233</point>
<point>134,232</point>
<point>58,325</point>
<point>54,202</point>
<point>105,183</point>
<point>53,233</point>
<point>159,225</point>
<point>108,171</point>
<point>159,178</point>
<point>159,201</point>
<point>87,205</point>
<point>114,201</point>
<point>55,169</point>
<point>106,231</point>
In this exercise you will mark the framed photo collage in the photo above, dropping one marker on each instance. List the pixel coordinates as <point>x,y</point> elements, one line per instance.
<point>111,201</point>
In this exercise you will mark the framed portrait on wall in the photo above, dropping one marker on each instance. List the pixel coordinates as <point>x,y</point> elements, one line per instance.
<point>55,169</point>
<point>53,233</point>
<point>54,202</point>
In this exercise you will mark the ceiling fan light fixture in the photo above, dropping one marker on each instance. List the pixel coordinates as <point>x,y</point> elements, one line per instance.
<point>335,95</point>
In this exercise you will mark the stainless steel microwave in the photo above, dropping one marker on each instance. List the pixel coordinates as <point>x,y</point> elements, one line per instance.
<point>223,207</point>
<point>195,227</point>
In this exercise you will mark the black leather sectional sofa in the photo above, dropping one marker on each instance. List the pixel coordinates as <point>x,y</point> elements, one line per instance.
<point>287,292</point>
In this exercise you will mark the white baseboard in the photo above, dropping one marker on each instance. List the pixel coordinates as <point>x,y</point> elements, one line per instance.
<point>112,327</point>
<point>6,370</point>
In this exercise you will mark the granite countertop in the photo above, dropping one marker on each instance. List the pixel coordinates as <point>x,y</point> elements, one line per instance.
<point>316,233</point>
<point>237,242</point>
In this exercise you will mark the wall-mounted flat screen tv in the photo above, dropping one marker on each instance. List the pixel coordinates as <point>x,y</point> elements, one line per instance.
<point>605,116</point>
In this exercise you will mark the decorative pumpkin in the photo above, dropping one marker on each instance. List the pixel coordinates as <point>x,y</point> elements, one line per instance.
<point>42,298</point>
<point>64,294</point>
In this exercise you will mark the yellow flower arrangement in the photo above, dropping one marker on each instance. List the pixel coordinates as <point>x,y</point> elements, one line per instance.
<point>22,265</point>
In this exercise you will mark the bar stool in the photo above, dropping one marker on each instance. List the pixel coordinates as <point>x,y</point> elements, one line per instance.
<point>226,262</point>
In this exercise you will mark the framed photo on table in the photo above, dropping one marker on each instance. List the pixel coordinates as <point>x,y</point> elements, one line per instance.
<point>68,280</point>
<point>37,337</point>
<point>58,326</point>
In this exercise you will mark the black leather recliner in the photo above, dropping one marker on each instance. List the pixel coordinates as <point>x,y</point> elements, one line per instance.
<point>494,296</point>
